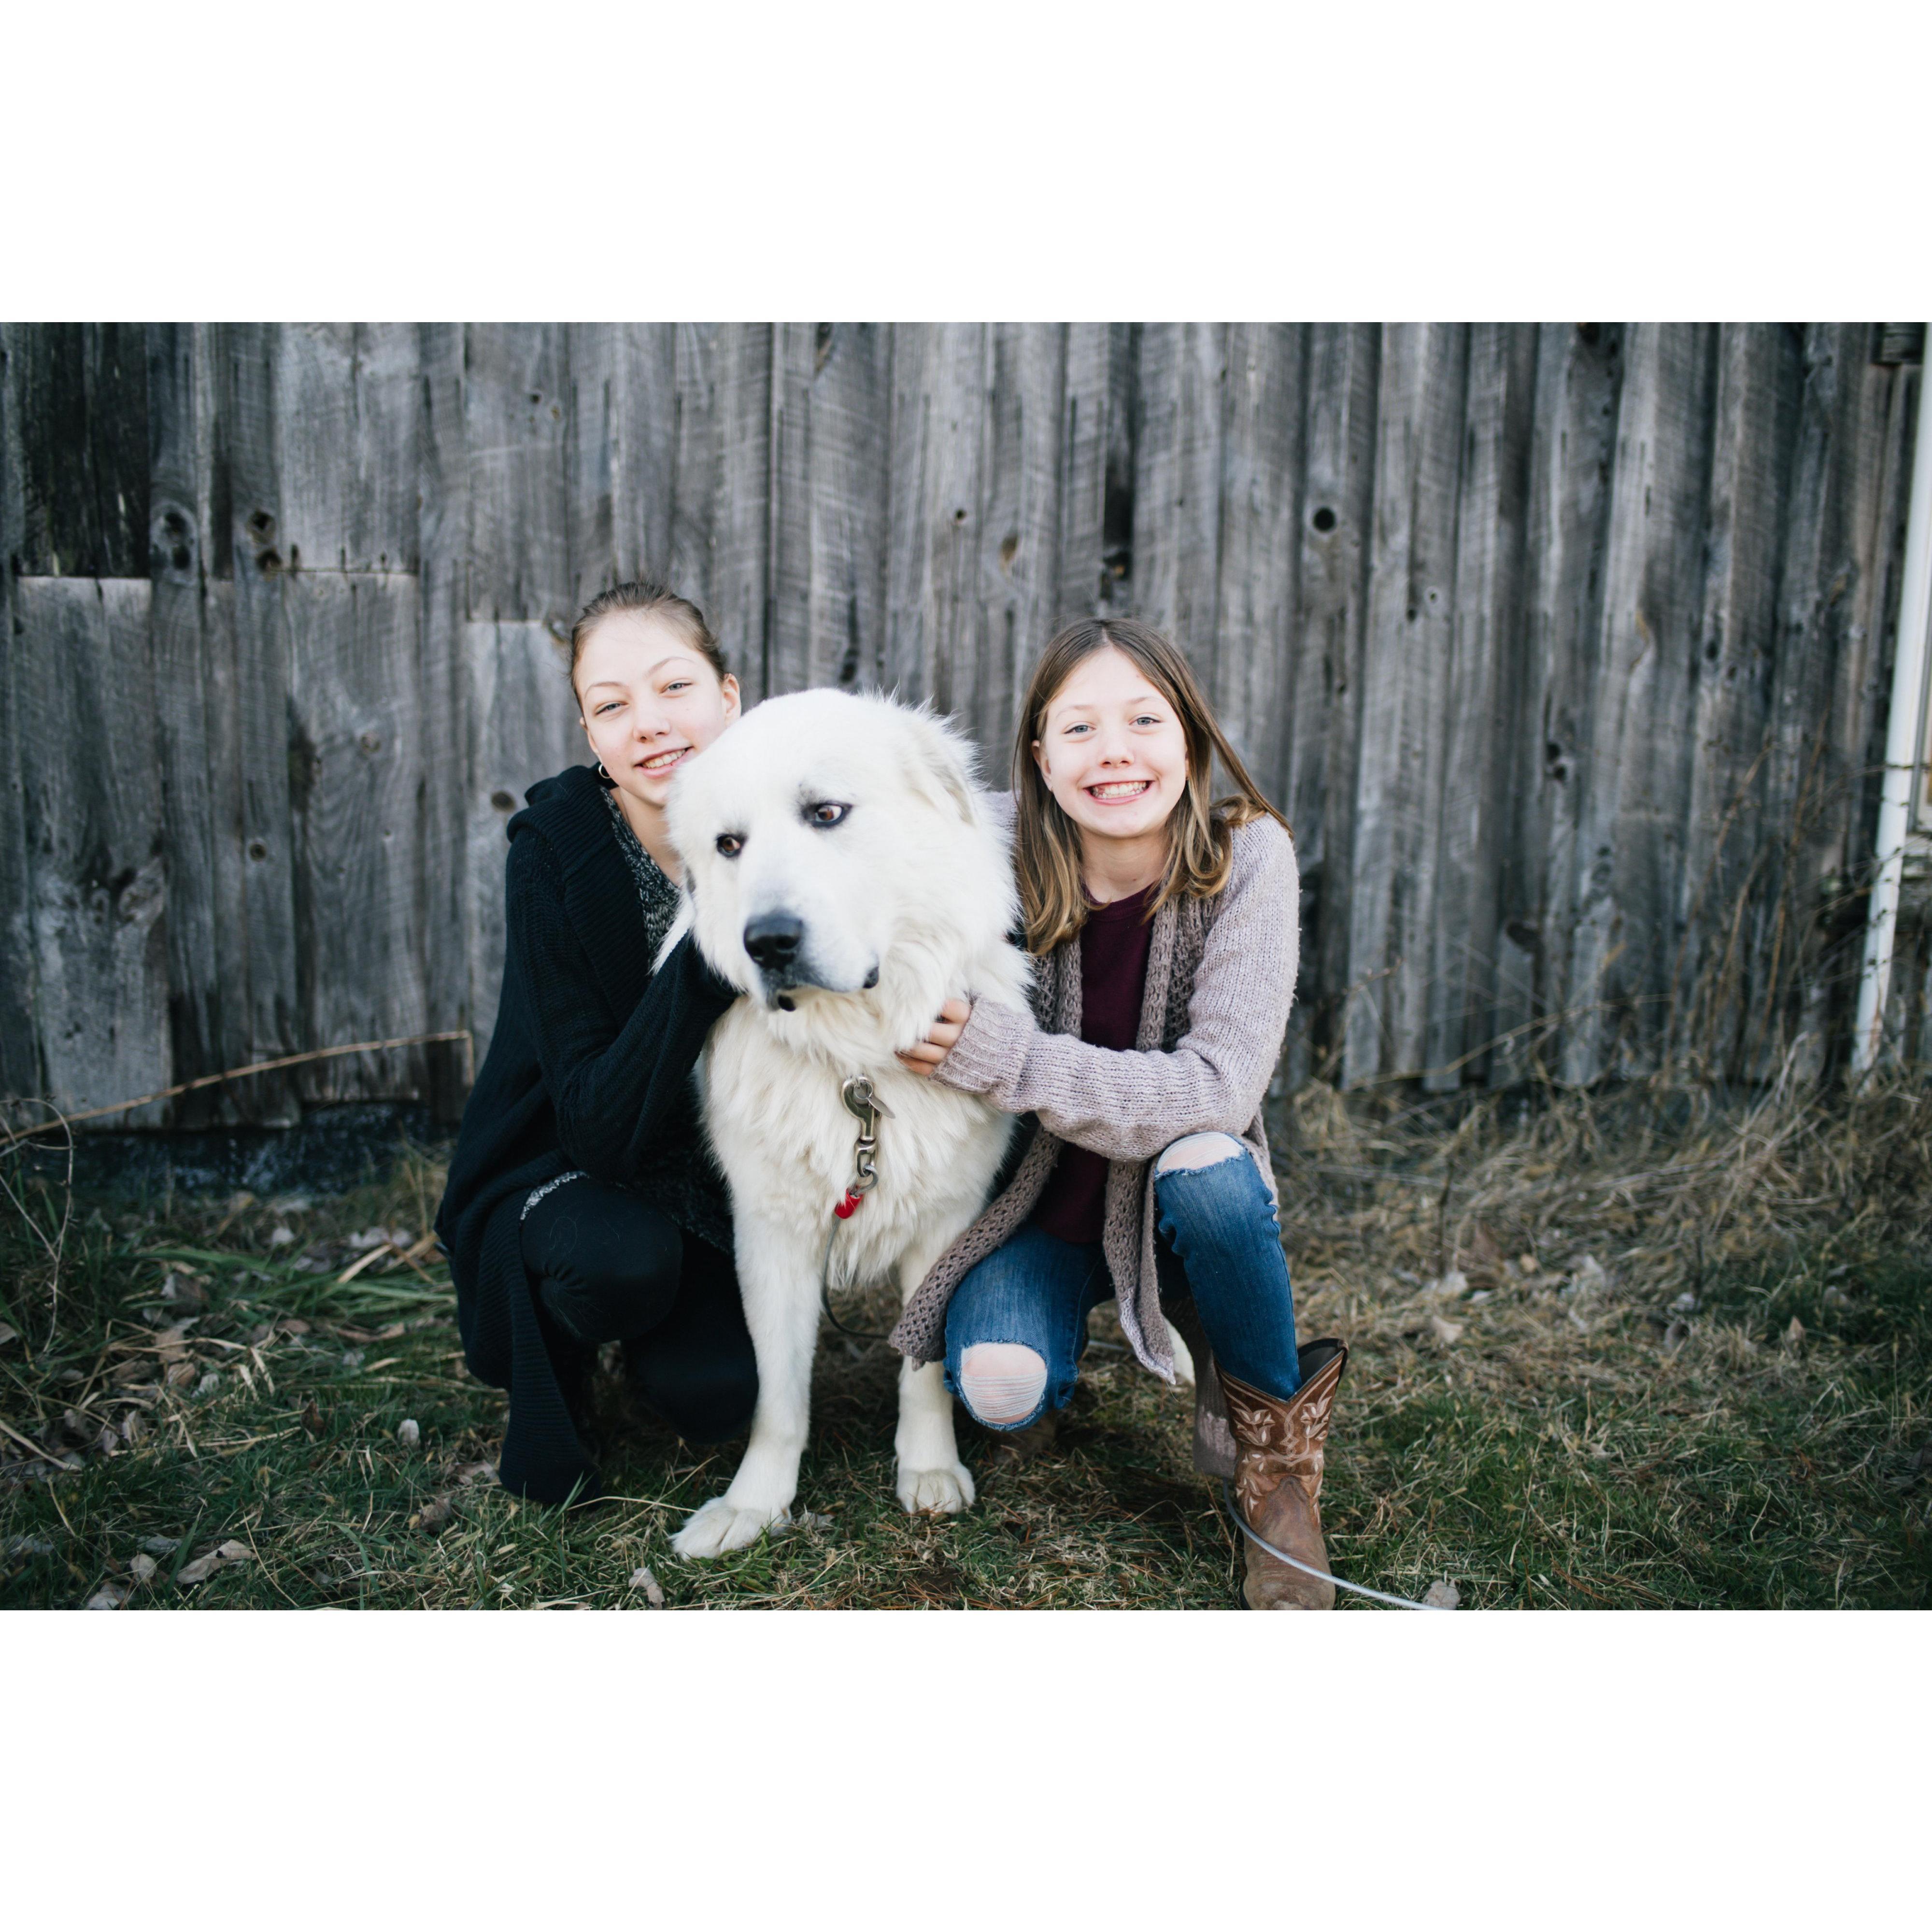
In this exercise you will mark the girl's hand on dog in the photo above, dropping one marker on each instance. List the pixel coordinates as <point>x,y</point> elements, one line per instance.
<point>944,1035</point>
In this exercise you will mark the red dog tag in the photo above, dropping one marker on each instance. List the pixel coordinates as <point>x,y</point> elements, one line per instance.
<point>850,1206</point>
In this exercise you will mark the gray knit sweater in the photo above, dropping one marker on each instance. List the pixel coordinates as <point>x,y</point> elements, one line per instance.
<point>1220,979</point>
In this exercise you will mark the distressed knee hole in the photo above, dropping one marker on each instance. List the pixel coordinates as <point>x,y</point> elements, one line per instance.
<point>1194,1150</point>
<point>1001,1382</point>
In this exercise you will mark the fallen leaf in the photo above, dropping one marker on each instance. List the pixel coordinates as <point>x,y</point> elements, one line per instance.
<point>201,1569</point>
<point>409,1432</point>
<point>208,1383</point>
<point>1454,1282</point>
<point>311,1416</point>
<point>1795,1333</point>
<point>1444,1331</point>
<point>160,1546</point>
<point>1684,1302</point>
<point>1442,1594</point>
<point>281,1237</point>
<point>641,1578</point>
<point>1588,1272</point>
<point>293,1325</point>
<point>233,1551</point>
<point>25,1546</point>
<point>133,1426</point>
<point>1526,1263</point>
<point>180,1374</point>
<point>476,1472</point>
<point>109,1597</point>
<point>183,1290</point>
<point>142,1568</point>
<point>433,1515</point>
<point>7,1334</point>
<point>1674,1337</point>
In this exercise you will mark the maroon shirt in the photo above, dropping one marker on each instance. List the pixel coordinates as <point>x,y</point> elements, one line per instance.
<point>1113,976</point>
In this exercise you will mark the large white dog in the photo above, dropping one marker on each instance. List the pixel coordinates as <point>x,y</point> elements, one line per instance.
<point>843,872</point>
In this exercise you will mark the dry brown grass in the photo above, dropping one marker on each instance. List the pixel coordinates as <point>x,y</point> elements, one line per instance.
<point>1529,1411</point>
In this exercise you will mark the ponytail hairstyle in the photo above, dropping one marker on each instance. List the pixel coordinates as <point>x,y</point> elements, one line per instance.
<point>1046,849</point>
<point>648,596</point>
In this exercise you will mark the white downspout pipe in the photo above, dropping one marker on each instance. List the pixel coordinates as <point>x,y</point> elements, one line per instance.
<point>1901,743</point>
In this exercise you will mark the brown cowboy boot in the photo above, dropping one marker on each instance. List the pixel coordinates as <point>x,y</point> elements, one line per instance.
<point>1278,1479</point>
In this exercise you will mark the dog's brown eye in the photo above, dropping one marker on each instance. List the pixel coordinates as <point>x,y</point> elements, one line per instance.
<point>730,844</point>
<point>825,812</point>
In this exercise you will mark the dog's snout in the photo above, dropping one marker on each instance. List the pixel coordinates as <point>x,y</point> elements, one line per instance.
<point>773,938</point>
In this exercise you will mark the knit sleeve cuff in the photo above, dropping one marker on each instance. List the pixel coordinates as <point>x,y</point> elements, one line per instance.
<point>990,1050</point>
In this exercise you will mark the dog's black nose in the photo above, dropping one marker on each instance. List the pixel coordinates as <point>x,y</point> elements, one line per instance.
<point>773,938</point>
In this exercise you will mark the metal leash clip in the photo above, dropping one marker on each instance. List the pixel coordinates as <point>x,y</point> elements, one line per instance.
<point>868,1108</point>
<point>865,1106</point>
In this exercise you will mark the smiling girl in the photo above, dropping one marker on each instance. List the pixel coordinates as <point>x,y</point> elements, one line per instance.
<point>1165,926</point>
<point>583,1206</point>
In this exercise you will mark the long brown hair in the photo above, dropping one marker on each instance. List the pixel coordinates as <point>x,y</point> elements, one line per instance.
<point>1046,855</point>
<point>648,596</point>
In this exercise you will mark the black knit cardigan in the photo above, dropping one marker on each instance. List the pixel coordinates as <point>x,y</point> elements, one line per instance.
<point>590,1067</point>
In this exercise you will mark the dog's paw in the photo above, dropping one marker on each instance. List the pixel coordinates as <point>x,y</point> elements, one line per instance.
<point>946,1492</point>
<point>721,1526</point>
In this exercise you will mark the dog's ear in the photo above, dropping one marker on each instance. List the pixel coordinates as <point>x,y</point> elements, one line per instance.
<point>939,763</point>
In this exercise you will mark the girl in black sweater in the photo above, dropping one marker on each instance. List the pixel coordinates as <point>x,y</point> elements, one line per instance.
<point>583,1206</point>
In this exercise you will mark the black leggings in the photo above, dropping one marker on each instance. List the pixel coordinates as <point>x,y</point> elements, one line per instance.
<point>608,1268</point>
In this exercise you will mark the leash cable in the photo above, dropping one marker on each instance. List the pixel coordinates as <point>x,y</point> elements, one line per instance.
<point>1309,1570</point>
<point>866,1106</point>
<point>825,1294</point>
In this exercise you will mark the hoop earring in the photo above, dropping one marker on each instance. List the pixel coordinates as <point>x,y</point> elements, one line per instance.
<point>604,778</point>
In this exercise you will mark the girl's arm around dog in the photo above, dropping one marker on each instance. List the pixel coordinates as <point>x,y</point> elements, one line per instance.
<point>1128,1106</point>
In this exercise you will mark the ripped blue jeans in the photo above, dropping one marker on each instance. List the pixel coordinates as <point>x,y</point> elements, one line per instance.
<point>1218,1232</point>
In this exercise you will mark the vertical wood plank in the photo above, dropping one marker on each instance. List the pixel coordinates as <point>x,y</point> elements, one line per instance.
<point>1579,386</point>
<point>741,526</point>
<point>1754,419</point>
<point>95,837</point>
<point>524,726</point>
<point>250,686</point>
<point>442,541</point>
<point>1393,892</point>
<point>80,400</point>
<point>355,759</point>
<point>21,1075</point>
<point>348,415</point>
<point>1827,698</point>
<point>1629,843</point>
<point>695,462</point>
<point>1257,596</point>
<point>1182,400</point>
<point>1322,739</point>
<point>1019,570</point>
<point>621,456</point>
<point>831,417</point>
<point>179,418</point>
<point>939,422</point>
<point>1485,667</point>
<point>515,386</point>
<point>348,406</point>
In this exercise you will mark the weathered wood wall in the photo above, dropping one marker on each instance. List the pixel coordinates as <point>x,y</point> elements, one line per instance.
<point>1565,648</point>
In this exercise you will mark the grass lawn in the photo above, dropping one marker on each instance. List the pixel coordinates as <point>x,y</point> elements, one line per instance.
<point>1631,1353</point>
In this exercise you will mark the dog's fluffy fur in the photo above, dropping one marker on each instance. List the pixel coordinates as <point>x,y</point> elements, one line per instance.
<point>902,901</point>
